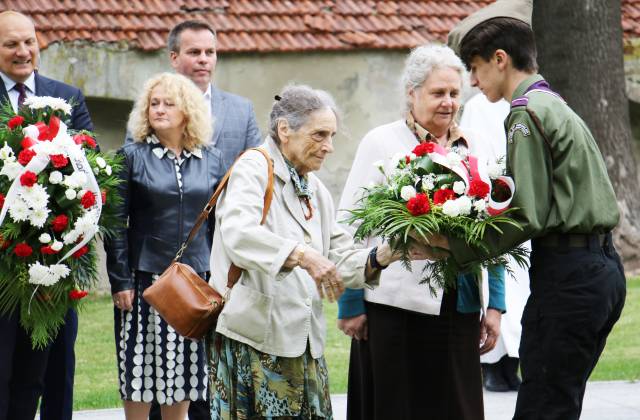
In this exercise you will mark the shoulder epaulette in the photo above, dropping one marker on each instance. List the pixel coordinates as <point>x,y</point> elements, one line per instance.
<point>521,101</point>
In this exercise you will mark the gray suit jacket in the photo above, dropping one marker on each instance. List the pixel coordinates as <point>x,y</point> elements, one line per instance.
<point>234,125</point>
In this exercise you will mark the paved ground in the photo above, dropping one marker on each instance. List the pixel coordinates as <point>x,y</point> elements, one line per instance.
<point>603,400</point>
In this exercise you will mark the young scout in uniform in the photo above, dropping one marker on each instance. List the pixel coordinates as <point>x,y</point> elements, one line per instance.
<point>566,205</point>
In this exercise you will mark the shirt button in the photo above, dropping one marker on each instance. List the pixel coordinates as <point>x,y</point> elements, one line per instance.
<point>307,301</point>
<point>307,238</point>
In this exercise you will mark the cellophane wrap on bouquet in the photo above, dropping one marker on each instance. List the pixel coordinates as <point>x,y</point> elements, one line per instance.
<point>56,194</point>
<point>438,190</point>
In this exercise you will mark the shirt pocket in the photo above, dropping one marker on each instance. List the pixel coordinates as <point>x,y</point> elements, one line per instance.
<point>247,313</point>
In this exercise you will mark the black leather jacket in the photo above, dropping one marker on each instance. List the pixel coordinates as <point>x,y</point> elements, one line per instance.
<point>159,216</point>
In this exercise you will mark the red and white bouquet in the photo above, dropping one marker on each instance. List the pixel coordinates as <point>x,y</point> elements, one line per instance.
<point>55,191</point>
<point>438,190</point>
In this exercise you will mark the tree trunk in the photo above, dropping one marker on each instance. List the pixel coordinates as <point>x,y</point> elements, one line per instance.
<point>580,53</point>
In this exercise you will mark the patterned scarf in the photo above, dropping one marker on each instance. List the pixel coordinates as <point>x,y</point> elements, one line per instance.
<point>300,183</point>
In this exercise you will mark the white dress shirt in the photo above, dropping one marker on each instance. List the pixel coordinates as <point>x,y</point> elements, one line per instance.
<point>9,85</point>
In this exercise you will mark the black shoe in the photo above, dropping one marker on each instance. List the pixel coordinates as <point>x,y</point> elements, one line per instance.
<point>510,372</point>
<point>492,378</point>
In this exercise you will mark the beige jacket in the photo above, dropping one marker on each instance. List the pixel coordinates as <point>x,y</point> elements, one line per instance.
<point>275,310</point>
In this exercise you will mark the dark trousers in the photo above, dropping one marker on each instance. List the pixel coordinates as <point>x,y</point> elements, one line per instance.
<point>577,295</point>
<point>198,410</point>
<point>57,399</point>
<point>416,366</point>
<point>21,370</point>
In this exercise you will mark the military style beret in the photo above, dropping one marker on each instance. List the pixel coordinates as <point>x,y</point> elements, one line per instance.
<point>517,9</point>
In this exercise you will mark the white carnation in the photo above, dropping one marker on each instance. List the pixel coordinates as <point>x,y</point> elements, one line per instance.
<point>55,177</point>
<point>480,206</point>
<point>45,238</point>
<point>407,192</point>
<point>459,187</point>
<point>101,162</point>
<point>70,194</point>
<point>109,171</point>
<point>450,208</point>
<point>6,152</point>
<point>428,183</point>
<point>464,205</point>
<point>57,245</point>
<point>11,169</point>
<point>96,170</point>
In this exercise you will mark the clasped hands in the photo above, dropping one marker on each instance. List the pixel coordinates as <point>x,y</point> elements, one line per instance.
<point>325,274</point>
<point>436,246</point>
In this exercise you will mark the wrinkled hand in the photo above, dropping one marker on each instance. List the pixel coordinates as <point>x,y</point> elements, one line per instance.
<point>123,300</point>
<point>489,330</point>
<point>434,246</point>
<point>324,273</point>
<point>355,327</point>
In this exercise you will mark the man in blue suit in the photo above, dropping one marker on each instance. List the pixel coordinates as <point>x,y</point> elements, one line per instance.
<point>22,369</point>
<point>192,52</point>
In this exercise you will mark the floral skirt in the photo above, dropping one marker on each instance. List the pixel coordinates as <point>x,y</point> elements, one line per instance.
<point>155,363</point>
<point>248,384</point>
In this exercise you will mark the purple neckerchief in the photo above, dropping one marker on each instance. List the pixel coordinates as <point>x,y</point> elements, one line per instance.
<point>541,85</point>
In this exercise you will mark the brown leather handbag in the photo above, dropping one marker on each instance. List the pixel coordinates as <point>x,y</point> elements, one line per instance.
<point>181,297</point>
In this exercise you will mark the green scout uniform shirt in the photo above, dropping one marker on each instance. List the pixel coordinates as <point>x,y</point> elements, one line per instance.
<point>561,187</point>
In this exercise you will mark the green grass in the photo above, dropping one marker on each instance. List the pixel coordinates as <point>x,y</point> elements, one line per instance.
<point>96,383</point>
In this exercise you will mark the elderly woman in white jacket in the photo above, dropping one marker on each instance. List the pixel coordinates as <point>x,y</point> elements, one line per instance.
<point>421,351</point>
<point>267,353</point>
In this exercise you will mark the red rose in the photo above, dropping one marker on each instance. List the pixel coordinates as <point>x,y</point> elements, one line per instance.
<point>47,250</point>
<point>15,122</point>
<point>59,223</point>
<point>88,200</point>
<point>440,196</point>
<point>1,200</point>
<point>407,159</point>
<point>25,156</point>
<point>424,148</point>
<point>103,194</point>
<point>419,204</point>
<point>23,250</point>
<point>478,188</point>
<point>85,139</point>
<point>79,253</point>
<point>59,161</point>
<point>77,294</point>
<point>27,142</point>
<point>28,178</point>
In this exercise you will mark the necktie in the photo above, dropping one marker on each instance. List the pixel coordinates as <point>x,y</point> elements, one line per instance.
<point>22,93</point>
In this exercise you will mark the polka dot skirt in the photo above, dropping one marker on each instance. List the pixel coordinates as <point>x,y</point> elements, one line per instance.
<point>154,362</point>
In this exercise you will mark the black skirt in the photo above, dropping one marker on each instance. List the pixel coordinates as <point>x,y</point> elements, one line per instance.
<point>416,366</point>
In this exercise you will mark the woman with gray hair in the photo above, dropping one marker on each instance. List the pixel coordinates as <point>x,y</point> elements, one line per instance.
<point>419,350</point>
<point>267,353</point>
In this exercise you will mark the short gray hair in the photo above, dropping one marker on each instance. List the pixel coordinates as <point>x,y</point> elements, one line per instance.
<point>173,41</point>
<point>423,60</point>
<point>295,104</point>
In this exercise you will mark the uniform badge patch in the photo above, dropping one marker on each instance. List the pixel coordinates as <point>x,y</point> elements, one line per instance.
<point>518,127</point>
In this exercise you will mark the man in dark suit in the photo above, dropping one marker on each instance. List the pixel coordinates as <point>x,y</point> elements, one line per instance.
<point>22,369</point>
<point>192,51</point>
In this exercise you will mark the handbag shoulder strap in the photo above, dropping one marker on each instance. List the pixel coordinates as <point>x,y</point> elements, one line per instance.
<point>234,271</point>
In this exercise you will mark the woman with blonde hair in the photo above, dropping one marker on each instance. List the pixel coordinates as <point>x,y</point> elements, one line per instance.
<point>168,176</point>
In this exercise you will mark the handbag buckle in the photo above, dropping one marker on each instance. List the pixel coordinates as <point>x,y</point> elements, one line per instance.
<point>180,251</point>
